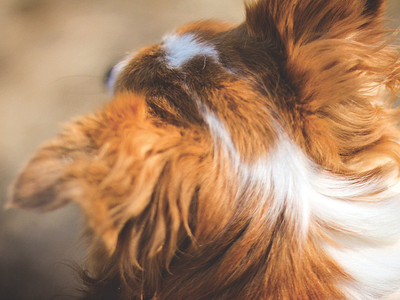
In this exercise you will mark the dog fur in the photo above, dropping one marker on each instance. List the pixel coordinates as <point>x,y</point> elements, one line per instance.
<point>258,161</point>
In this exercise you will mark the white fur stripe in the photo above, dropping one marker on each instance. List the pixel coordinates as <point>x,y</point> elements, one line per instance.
<point>281,176</point>
<point>365,213</point>
<point>181,48</point>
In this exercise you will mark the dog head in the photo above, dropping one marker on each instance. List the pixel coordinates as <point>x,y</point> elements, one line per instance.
<point>233,160</point>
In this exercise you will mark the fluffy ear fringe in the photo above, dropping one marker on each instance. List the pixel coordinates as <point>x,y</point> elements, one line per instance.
<point>335,49</point>
<point>44,183</point>
<point>325,40</point>
<point>299,22</point>
<point>117,167</point>
<point>339,61</point>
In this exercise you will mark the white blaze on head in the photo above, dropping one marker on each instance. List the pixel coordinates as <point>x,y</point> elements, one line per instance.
<point>182,48</point>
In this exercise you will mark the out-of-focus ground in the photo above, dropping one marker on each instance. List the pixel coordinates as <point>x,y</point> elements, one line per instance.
<point>53,55</point>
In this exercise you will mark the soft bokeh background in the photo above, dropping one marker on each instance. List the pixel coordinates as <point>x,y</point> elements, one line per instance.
<point>53,55</point>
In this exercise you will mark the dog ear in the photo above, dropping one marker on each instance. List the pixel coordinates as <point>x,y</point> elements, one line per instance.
<point>303,21</point>
<point>54,176</point>
<point>122,171</point>
<point>337,60</point>
<point>46,182</point>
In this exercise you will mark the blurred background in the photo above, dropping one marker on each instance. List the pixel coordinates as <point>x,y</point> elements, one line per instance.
<point>53,56</point>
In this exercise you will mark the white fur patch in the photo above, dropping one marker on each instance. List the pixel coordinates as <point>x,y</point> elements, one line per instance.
<point>282,176</point>
<point>182,48</point>
<point>114,73</point>
<point>365,213</point>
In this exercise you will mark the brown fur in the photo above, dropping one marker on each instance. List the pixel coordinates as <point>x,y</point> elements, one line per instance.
<point>165,220</point>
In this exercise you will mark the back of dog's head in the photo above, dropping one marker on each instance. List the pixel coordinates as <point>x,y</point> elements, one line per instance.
<point>257,161</point>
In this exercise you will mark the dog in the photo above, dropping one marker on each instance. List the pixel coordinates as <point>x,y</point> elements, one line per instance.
<point>251,161</point>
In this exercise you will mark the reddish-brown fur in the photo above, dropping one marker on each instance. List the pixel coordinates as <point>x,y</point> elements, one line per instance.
<point>164,218</point>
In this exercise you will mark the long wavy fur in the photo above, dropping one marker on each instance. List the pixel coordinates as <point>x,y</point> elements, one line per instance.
<point>258,161</point>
